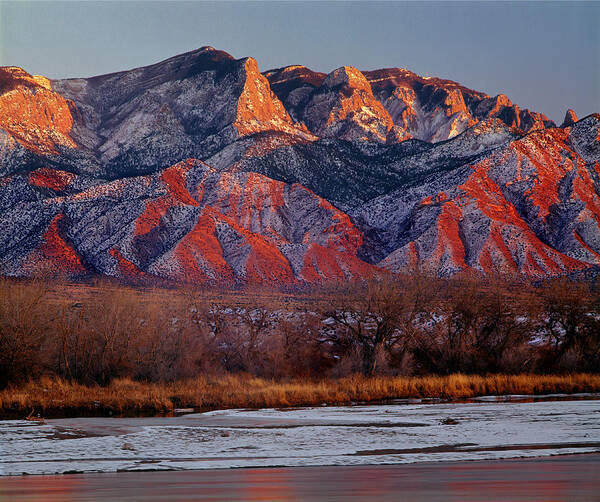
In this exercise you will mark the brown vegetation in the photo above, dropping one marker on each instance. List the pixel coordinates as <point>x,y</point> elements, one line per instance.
<point>58,397</point>
<point>107,339</point>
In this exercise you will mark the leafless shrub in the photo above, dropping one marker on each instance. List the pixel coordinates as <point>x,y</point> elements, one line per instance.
<point>569,319</point>
<point>23,325</point>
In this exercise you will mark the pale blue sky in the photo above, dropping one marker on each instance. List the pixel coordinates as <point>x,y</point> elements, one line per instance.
<point>544,56</point>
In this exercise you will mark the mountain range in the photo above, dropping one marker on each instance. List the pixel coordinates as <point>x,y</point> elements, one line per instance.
<point>200,168</point>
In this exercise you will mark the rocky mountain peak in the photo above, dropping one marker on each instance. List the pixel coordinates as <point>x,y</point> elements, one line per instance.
<point>258,108</point>
<point>32,113</point>
<point>203,54</point>
<point>347,76</point>
<point>344,107</point>
<point>570,118</point>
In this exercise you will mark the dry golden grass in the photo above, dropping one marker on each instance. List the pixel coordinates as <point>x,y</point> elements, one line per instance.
<point>56,397</point>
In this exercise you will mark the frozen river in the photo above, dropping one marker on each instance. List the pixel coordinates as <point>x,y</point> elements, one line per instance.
<point>318,436</point>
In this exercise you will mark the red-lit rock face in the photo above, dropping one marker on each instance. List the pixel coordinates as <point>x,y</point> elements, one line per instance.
<point>258,109</point>
<point>243,234</point>
<point>32,113</point>
<point>570,118</point>
<point>55,255</point>
<point>54,179</point>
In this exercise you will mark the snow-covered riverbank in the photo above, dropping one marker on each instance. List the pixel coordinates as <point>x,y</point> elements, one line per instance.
<point>382,434</point>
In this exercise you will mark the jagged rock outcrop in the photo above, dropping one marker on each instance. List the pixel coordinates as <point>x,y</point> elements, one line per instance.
<point>344,107</point>
<point>433,109</point>
<point>200,168</point>
<point>570,118</point>
<point>425,108</point>
<point>35,122</point>
<point>32,113</point>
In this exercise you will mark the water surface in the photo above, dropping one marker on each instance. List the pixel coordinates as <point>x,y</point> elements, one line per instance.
<point>555,479</point>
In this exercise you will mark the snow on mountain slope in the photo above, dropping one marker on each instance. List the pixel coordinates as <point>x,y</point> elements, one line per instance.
<point>190,105</point>
<point>187,222</point>
<point>351,173</point>
<point>531,206</point>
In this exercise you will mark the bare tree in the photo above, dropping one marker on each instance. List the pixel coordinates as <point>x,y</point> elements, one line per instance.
<point>375,318</point>
<point>570,319</point>
<point>23,324</point>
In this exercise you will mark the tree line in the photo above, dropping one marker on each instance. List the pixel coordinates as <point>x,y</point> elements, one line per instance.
<point>409,325</point>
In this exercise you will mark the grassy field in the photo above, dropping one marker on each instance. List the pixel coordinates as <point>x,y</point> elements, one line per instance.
<point>53,397</point>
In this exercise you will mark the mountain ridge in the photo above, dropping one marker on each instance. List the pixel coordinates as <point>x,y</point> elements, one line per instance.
<point>202,168</point>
